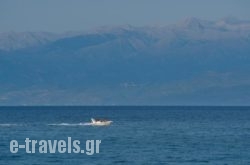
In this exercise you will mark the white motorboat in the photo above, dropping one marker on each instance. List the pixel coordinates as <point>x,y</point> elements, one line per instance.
<point>100,122</point>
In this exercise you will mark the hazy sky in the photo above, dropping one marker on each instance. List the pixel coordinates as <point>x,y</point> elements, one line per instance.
<point>65,15</point>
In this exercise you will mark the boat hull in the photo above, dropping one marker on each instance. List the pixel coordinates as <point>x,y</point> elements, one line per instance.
<point>100,122</point>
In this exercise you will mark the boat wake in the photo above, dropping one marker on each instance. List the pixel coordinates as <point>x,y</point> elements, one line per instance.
<point>70,124</point>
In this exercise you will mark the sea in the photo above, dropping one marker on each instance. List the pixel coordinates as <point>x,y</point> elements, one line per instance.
<point>139,135</point>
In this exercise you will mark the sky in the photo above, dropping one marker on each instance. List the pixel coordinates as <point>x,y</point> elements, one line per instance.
<point>80,15</point>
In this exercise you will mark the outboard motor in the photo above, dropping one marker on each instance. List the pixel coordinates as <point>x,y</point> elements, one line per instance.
<point>93,120</point>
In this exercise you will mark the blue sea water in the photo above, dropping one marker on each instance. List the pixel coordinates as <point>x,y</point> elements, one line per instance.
<point>138,135</point>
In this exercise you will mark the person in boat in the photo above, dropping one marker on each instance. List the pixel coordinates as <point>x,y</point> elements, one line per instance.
<point>101,120</point>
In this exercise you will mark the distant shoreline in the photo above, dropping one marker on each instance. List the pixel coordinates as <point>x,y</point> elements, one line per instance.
<point>125,107</point>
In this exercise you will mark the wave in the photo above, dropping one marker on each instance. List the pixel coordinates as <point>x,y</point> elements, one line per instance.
<point>8,125</point>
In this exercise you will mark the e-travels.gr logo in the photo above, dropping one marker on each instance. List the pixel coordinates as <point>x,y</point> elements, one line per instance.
<point>56,146</point>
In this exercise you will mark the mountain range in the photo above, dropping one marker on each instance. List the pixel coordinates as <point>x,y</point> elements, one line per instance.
<point>192,62</point>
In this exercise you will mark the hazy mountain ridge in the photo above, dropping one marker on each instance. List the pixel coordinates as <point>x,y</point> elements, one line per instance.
<point>227,27</point>
<point>192,62</point>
